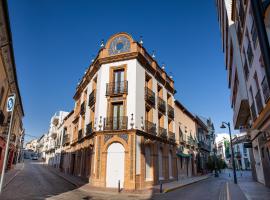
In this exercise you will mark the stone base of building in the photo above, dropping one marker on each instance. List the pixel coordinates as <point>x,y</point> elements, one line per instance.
<point>134,159</point>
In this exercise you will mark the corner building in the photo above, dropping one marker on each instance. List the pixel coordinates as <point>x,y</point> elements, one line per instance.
<point>124,119</point>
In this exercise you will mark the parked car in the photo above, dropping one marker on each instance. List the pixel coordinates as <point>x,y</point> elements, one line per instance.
<point>34,157</point>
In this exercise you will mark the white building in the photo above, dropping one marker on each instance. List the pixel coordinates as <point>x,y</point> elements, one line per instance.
<point>31,145</point>
<point>244,25</point>
<point>53,139</point>
<point>242,156</point>
<point>222,142</point>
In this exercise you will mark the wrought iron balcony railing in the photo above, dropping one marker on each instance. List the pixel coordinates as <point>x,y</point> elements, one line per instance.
<point>162,132</point>
<point>150,97</point>
<point>259,103</point>
<point>150,128</point>
<point>82,110</point>
<point>89,128</point>
<point>161,105</point>
<point>116,123</point>
<point>170,111</point>
<point>171,136</point>
<point>92,98</point>
<point>117,88</point>
<point>265,89</point>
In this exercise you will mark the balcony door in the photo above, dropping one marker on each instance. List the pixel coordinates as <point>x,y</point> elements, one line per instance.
<point>118,79</point>
<point>118,113</point>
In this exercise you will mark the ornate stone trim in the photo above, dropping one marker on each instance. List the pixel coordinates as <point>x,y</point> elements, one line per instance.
<point>124,136</point>
<point>107,137</point>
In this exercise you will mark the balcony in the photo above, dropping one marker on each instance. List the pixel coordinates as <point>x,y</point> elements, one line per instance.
<point>150,128</point>
<point>82,110</point>
<point>66,139</point>
<point>53,132</point>
<point>89,128</point>
<point>171,136</point>
<point>92,98</point>
<point>265,89</point>
<point>253,111</point>
<point>161,105</point>
<point>150,97</point>
<point>116,88</point>
<point>162,132</point>
<point>203,145</point>
<point>241,109</point>
<point>259,102</point>
<point>170,111</point>
<point>116,123</point>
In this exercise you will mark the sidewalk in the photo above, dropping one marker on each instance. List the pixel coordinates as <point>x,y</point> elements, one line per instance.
<point>11,174</point>
<point>251,189</point>
<point>168,187</point>
<point>76,181</point>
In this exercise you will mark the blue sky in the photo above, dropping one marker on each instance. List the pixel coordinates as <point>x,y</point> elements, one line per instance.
<point>54,42</point>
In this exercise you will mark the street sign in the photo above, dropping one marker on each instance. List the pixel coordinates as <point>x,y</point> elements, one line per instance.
<point>10,103</point>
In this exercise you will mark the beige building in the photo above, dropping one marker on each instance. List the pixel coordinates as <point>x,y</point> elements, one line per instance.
<point>8,86</point>
<point>186,139</point>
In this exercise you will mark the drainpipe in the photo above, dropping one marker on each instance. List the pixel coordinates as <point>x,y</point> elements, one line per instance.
<point>262,35</point>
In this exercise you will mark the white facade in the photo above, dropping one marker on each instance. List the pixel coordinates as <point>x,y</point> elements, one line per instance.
<point>54,138</point>
<point>220,140</point>
<point>246,73</point>
<point>242,155</point>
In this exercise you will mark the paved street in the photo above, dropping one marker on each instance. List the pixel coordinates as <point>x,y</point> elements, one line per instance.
<point>212,188</point>
<point>36,181</point>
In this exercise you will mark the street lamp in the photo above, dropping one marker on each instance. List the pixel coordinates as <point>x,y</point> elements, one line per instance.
<point>233,161</point>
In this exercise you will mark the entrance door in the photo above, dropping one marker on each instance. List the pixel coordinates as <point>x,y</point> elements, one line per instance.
<point>115,165</point>
<point>118,113</point>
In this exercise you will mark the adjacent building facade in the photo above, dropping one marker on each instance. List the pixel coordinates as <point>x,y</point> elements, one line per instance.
<point>242,157</point>
<point>222,141</point>
<point>245,32</point>
<point>186,139</point>
<point>8,86</point>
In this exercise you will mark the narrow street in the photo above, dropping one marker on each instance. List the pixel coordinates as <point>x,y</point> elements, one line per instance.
<point>36,181</point>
